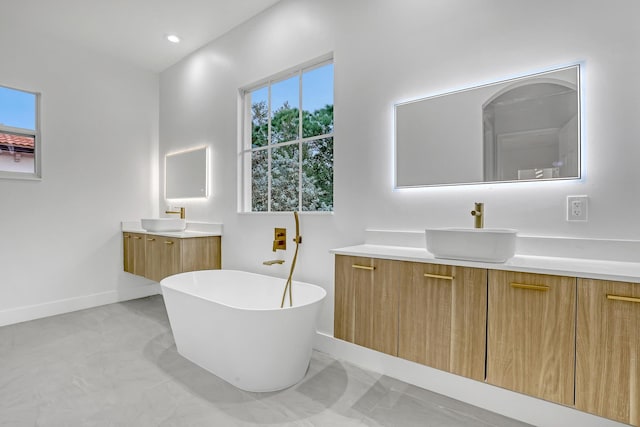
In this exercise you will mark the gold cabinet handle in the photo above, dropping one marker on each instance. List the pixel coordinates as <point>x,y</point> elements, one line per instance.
<point>363,267</point>
<point>438,276</point>
<point>137,237</point>
<point>126,236</point>
<point>542,288</point>
<point>622,298</point>
<point>167,242</point>
<point>150,239</point>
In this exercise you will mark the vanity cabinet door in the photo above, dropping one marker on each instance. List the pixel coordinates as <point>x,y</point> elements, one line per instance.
<point>127,252</point>
<point>608,350</point>
<point>201,253</point>
<point>531,334</point>
<point>134,253</point>
<point>443,317</point>
<point>163,257</point>
<point>366,302</point>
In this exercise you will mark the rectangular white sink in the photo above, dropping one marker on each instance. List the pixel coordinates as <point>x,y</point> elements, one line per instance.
<point>163,224</point>
<point>472,244</point>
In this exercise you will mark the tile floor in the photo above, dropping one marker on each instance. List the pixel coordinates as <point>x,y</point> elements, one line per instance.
<point>117,365</point>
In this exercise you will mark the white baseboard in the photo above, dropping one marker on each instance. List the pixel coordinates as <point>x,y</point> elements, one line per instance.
<point>510,404</point>
<point>38,311</point>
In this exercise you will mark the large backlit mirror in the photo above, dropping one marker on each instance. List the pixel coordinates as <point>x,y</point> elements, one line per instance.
<point>186,174</point>
<point>521,129</point>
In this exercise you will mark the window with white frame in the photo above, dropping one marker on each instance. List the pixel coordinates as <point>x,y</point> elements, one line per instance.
<point>288,142</point>
<point>19,135</point>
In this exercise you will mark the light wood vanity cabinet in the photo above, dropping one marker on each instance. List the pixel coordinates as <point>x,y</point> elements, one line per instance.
<point>443,317</point>
<point>366,302</point>
<point>156,257</point>
<point>531,334</point>
<point>608,350</point>
<point>566,340</point>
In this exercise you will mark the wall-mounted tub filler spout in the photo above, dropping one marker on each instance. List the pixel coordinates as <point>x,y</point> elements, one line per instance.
<point>478,213</point>
<point>289,285</point>
<point>273,261</point>
<point>181,212</point>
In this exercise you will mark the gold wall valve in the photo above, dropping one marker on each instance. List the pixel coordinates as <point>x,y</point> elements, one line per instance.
<point>279,239</point>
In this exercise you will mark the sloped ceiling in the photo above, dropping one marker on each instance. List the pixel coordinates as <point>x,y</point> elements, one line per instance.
<point>132,30</point>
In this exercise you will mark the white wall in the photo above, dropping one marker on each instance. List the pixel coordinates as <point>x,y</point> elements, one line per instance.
<point>60,245</point>
<point>387,52</point>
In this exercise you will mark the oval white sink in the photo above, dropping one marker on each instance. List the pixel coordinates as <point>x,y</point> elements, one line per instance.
<point>163,224</point>
<point>472,244</point>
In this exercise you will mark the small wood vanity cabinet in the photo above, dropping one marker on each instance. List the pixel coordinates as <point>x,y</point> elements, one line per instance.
<point>531,334</point>
<point>156,257</point>
<point>366,302</point>
<point>608,350</point>
<point>443,316</point>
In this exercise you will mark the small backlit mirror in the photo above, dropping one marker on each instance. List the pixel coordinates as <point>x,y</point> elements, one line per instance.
<point>186,174</point>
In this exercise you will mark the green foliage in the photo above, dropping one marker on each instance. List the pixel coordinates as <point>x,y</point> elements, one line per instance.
<point>285,124</point>
<point>317,159</point>
<point>259,181</point>
<point>259,124</point>
<point>317,175</point>
<point>284,178</point>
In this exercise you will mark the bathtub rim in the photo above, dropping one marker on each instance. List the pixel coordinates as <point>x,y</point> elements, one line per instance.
<point>165,284</point>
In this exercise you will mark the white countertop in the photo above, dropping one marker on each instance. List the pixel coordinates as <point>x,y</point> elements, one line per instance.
<point>576,267</point>
<point>194,229</point>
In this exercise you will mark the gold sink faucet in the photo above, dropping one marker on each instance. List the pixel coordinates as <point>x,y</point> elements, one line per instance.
<point>181,212</point>
<point>478,214</point>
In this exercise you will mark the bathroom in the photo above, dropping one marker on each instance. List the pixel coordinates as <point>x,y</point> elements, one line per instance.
<point>107,124</point>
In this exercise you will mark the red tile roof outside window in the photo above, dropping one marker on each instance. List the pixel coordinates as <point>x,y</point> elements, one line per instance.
<point>17,140</point>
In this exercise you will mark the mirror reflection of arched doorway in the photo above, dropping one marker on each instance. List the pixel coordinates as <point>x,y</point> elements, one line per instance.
<point>531,131</point>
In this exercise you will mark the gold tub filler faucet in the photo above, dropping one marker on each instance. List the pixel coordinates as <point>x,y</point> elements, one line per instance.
<point>478,214</point>
<point>279,242</point>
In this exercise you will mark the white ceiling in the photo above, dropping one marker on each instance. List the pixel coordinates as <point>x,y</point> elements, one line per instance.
<point>133,30</point>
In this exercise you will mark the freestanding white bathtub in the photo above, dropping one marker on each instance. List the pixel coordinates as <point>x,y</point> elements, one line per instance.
<point>231,324</point>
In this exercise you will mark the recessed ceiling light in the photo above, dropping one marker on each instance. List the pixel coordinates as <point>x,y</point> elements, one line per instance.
<point>173,38</point>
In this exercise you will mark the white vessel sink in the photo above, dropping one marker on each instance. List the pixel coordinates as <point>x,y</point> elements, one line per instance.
<point>472,244</point>
<point>163,224</point>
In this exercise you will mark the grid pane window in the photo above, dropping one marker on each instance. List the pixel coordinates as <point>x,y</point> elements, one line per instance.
<point>291,148</point>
